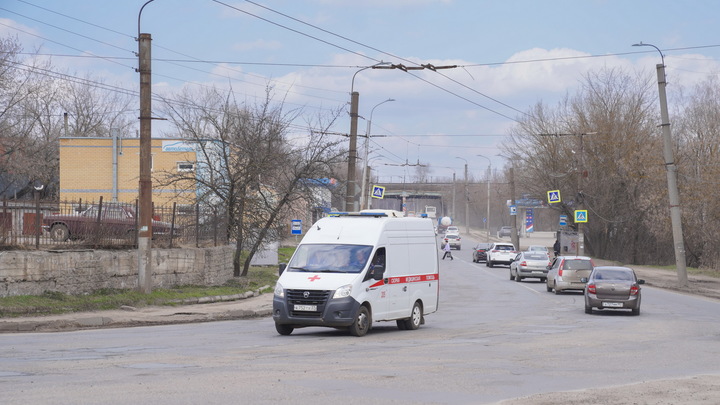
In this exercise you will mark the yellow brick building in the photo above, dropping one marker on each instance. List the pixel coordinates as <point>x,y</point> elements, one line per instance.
<point>88,170</point>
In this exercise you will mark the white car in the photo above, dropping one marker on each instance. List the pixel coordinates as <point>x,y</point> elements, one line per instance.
<point>453,230</point>
<point>500,253</point>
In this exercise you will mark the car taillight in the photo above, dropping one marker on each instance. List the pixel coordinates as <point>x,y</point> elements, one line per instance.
<point>634,290</point>
<point>560,271</point>
<point>591,288</point>
<point>523,264</point>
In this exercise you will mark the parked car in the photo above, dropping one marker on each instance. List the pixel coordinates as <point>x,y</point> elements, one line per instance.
<point>613,287</point>
<point>500,253</point>
<point>566,273</point>
<point>529,265</point>
<point>480,252</point>
<point>112,221</point>
<point>454,240</point>
<point>504,231</point>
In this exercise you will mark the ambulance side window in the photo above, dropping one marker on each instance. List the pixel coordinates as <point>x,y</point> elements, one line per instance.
<point>377,266</point>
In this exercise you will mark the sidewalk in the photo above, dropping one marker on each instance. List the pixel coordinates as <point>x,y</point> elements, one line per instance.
<point>258,305</point>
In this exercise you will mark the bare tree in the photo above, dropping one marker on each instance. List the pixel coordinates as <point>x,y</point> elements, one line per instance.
<point>698,134</point>
<point>246,161</point>
<point>600,148</point>
<point>25,155</point>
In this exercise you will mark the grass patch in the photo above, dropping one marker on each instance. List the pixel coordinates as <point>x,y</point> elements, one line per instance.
<point>51,303</point>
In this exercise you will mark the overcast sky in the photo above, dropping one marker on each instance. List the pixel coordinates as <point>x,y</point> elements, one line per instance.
<point>510,56</point>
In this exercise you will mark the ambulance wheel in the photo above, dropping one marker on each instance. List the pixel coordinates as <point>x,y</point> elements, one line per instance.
<point>416,317</point>
<point>363,322</point>
<point>284,329</point>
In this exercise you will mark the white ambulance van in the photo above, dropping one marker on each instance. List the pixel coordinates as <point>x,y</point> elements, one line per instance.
<point>353,269</point>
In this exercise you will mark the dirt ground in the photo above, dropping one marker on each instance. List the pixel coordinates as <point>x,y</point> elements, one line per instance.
<point>696,390</point>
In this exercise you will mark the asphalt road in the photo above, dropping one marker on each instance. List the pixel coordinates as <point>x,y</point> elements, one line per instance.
<point>492,340</point>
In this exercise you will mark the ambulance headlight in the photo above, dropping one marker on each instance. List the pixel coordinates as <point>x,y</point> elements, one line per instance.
<point>279,291</point>
<point>343,291</point>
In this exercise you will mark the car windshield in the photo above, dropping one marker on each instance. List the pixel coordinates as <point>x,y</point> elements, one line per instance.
<point>330,258</point>
<point>577,265</point>
<point>622,275</point>
<point>504,247</point>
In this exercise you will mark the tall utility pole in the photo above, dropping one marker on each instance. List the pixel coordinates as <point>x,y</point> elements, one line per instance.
<point>487,217</point>
<point>580,200</point>
<point>145,183</point>
<point>467,198</point>
<point>671,169</point>
<point>364,195</point>
<point>352,153</point>
<point>350,202</point>
<point>515,238</point>
<point>579,197</point>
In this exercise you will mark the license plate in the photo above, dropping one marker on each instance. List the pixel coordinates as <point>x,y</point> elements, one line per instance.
<point>305,307</point>
<point>537,271</point>
<point>612,304</point>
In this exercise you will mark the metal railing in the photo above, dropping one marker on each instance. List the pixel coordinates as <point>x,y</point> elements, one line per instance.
<point>80,224</point>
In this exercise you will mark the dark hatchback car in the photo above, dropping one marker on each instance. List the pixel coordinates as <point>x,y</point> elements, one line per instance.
<point>480,252</point>
<point>613,287</point>
<point>107,221</point>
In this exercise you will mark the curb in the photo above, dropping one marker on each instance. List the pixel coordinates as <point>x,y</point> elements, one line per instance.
<point>190,311</point>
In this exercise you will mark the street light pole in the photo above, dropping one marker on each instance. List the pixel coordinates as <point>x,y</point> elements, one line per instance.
<point>363,203</point>
<point>354,97</point>
<point>671,169</point>
<point>467,198</point>
<point>487,218</point>
<point>352,152</point>
<point>145,178</point>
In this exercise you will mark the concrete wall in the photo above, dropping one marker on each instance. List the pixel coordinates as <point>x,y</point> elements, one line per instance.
<point>77,272</point>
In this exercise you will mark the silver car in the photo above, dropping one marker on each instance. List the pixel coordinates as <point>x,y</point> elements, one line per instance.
<point>567,272</point>
<point>529,265</point>
<point>613,287</point>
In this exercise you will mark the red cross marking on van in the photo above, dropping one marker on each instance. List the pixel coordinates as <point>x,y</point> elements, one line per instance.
<point>313,278</point>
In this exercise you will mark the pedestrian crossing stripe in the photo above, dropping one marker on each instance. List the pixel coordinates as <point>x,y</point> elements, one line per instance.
<point>378,192</point>
<point>553,196</point>
<point>581,216</point>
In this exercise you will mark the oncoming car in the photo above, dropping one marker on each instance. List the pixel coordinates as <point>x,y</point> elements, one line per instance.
<point>453,230</point>
<point>613,287</point>
<point>453,239</point>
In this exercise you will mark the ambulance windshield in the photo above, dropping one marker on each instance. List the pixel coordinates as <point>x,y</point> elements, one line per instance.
<point>330,258</point>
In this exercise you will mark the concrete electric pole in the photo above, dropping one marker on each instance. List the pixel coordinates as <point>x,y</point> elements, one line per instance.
<point>671,169</point>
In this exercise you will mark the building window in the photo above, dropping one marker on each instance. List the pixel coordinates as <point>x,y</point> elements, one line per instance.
<point>185,166</point>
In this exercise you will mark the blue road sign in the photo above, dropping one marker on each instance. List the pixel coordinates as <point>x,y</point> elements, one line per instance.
<point>553,196</point>
<point>296,228</point>
<point>581,216</point>
<point>378,192</point>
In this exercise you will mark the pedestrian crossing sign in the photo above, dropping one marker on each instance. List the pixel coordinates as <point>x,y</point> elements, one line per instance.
<point>553,196</point>
<point>378,192</point>
<point>581,216</point>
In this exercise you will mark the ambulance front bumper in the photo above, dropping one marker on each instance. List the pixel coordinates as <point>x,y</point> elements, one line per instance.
<point>338,312</point>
